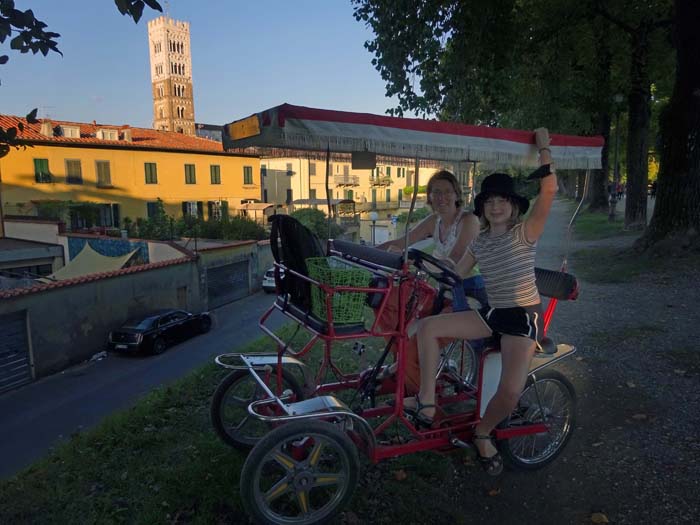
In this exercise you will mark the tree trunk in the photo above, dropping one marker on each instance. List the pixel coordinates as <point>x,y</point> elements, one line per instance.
<point>599,179</point>
<point>638,131</point>
<point>676,217</point>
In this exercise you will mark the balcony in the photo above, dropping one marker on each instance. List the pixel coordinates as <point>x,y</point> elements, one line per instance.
<point>350,223</point>
<point>346,180</point>
<point>382,180</point>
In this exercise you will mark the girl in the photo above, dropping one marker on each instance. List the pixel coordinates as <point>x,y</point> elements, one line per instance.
<point>505,252</point>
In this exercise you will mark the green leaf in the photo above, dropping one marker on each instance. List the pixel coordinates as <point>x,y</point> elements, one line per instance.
<point>153,4</point>
<point>11,134</point>
<point>123,6</point>
<point>137,11</point>
<point>17,42</point>
<point>20,126</point>
<point>31,116</point>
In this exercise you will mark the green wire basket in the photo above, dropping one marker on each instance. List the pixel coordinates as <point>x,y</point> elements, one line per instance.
<point>348,307</point>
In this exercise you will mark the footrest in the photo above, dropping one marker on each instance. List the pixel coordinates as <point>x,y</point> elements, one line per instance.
<point>317,404</point>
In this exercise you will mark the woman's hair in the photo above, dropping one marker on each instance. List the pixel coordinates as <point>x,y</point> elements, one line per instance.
<point>449,177</point>
<point>515,215</point>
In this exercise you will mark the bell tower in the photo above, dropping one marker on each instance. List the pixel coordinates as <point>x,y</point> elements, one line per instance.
<point>171,75</point>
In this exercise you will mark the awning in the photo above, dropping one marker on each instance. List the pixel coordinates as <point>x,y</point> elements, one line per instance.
<point>89,261</point>
<point>288,127</point>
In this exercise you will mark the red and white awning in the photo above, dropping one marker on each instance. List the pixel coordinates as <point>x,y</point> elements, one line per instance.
<point>288,127</point>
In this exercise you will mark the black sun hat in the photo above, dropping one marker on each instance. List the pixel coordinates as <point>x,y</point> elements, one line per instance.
<point>498,184</point>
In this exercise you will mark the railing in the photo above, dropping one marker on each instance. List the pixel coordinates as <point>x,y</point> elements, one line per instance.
<point>382,180</point>
<point>346,180</point>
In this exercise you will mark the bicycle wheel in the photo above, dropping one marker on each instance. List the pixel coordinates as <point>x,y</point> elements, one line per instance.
<point>554,404</point>
<point>462,361</point>
<point>303,472</point>
<point>229,406</point>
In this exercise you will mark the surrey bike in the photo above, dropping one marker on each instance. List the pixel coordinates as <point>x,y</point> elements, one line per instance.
<point>307,422</point>
<point>304,464</point>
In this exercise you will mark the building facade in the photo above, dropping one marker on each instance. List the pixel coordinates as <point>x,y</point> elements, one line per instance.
<point>122,172</point>
<point>171,75</point>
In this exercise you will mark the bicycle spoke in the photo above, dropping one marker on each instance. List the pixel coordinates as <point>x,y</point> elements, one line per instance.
<point>278,489</point>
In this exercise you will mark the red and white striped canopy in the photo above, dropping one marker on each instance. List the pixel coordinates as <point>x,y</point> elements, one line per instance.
<point>288,127</point>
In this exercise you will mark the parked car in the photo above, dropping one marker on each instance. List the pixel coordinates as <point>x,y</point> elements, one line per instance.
<point>155,331</point>
<point>268,282</point>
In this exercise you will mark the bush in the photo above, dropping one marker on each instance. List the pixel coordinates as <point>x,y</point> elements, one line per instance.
<point>408,190</point>
<point>418,215</point>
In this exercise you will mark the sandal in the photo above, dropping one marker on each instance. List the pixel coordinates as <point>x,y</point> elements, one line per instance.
<point>492,465</point>
<point>420,419</point>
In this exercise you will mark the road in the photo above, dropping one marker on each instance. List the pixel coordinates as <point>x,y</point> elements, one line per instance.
<point>39,416</point>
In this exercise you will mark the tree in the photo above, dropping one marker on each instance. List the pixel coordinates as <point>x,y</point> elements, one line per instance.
<point>675,224</point>
<point>317,222</point>
<point>31,35</point>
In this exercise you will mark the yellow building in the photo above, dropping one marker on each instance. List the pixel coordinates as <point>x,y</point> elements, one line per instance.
<point>124,171</point>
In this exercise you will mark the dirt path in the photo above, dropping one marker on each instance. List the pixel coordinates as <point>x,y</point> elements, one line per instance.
<point>635,453</point>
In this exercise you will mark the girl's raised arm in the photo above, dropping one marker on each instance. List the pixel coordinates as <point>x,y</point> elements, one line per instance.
<point>534,224</point>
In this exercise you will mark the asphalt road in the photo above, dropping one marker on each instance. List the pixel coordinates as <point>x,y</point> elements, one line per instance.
<point>39,416</point>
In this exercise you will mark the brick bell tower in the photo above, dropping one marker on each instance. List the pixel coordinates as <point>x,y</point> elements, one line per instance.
<point>171,75</point>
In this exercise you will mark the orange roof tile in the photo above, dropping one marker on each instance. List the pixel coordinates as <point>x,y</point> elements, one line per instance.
<point>141,138</point>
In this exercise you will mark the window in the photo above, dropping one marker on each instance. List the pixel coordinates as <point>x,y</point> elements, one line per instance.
<point>247,174</point>
<point>214,210</point>
<point>399,195</point>
<point>263,170</point>
<point>193,209</point>
<point>290,196</point>
<point>346,169</point>
<point>74,171</point>
<point>312,168</point>
<point>107,134</point>
<point>388,171</point>
<point>190,176</point>
<point>265,196</point>
<point>71,132</point>
<point>41,170</point>
<point>388,195</point>
<point>151,172</point>
<point>104,176</point>
<point>374,199</point>
<point>349,194</point>
<point>312,195</point>
<point>151,209</point>
<point>289,169</point>
<point>215,172</point>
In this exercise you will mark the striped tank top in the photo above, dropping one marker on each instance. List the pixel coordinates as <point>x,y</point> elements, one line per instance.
<point>507,264</point>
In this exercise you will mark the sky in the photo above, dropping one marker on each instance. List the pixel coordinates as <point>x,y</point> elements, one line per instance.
<point>246,56</point>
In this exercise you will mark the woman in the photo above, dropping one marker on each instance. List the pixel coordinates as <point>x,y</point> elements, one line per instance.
<point>452,229</point>
<point>505,252</point>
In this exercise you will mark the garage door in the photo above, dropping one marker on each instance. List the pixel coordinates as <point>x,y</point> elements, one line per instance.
<point>227,283</point>
<point>381,234</point>
<point>14,352</point>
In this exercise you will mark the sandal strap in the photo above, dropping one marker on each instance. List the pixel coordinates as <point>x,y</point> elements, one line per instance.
<point>482,436</point>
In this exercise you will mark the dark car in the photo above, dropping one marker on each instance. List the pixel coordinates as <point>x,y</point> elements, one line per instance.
<point>155,331</point>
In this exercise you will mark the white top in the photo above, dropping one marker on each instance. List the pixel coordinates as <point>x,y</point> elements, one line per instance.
<point>443,248</point>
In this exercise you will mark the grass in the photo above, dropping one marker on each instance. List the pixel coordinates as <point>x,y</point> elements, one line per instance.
<point>595,225</point>
<point>160,462</point>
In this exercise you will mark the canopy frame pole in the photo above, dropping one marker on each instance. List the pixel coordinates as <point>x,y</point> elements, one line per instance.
<point>416,178</point>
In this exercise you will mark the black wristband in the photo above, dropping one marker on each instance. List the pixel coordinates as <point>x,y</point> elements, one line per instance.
<point>541,172</point>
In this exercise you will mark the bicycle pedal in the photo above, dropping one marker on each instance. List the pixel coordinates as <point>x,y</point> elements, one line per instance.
<point>456,442</point>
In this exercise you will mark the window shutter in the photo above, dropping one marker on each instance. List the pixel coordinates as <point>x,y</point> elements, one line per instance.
<point>184,209</point>
<point>224,209</point>
<point>210,209</point>
<point>200,209</point>
<point>115,215</point>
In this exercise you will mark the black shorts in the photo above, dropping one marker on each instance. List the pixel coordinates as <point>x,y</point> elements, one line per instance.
<point>523,321</point>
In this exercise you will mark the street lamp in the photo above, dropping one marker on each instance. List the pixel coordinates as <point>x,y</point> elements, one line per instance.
<point>373,216</point>
<point>617,99</point>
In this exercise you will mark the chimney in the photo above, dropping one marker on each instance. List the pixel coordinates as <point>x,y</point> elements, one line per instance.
<point>47,128</point>
<point>127,135</point>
